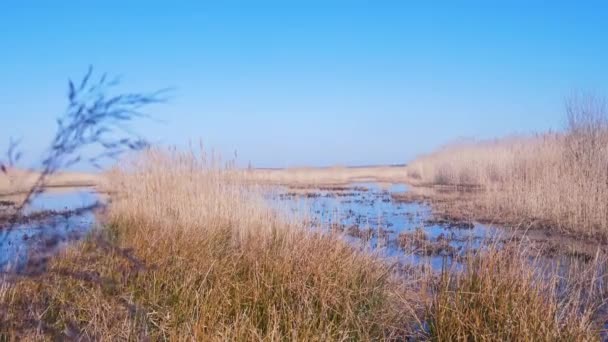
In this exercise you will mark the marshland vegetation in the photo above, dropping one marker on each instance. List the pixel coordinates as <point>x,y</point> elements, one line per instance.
<point>187,249</point>
<point>555,180</point>
<point>195,254</point>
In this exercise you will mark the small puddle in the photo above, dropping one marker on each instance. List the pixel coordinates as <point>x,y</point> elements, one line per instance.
<point>43,237</point>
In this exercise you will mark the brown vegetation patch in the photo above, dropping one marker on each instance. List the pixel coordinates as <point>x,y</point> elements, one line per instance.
<point>418,242</point>
<point>500,296</point>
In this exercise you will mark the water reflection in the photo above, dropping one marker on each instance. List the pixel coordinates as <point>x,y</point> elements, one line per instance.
<point>58,222</point>
<point>368,213</point>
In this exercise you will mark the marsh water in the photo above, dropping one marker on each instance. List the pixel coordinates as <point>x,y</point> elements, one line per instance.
<point>366,214</point>
<point>61,222</point>
<point>369,215</point>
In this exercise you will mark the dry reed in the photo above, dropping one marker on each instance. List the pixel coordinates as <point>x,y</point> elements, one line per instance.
<point>328,176</point>
<point>553,179</point>
<point>196,255</point>
<point>503,294</point>
<point>190,253</point>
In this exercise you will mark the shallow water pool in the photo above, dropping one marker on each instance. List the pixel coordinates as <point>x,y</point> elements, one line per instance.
<point>61,224</point>
<point>368,214</point>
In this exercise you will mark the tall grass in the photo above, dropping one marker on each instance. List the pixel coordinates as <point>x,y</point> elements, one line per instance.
<point>188,252</point>
<point>556,179</point>
<point>504,295</point>
<point>192,254</point>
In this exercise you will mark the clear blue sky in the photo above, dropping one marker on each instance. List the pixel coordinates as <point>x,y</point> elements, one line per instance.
<point>308,83</point>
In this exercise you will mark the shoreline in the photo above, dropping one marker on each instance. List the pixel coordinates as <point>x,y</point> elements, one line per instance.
<point>458,208</point>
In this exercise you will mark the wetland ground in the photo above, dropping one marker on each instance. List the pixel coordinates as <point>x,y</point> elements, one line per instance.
<point>352,256</point>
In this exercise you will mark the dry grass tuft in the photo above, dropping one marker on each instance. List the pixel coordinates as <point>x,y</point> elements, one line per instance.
<point>501,296</point>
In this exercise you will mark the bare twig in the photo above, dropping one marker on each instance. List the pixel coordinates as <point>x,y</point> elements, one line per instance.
<point>93,117</point>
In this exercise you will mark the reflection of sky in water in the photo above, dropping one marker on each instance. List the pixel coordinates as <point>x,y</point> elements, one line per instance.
<point>375,209</point>
<point>46,236</point>
<point>56,200</point>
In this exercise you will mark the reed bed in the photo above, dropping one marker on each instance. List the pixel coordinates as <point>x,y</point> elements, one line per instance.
<point>505,294</point>
<point>189,253</point>
<point>328,176</point>
<point>555,179</point>
<point>186,251</point>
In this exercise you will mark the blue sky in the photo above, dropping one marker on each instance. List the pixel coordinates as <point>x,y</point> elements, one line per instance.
<point>308,83</point>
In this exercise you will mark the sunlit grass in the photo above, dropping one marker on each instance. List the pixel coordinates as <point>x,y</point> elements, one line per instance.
<point>559,180</point>
<point>188,252</point>
<point>503,295</point>
<point>215,264</point>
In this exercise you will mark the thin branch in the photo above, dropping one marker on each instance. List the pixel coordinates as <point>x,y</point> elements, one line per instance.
<point>93,117</point>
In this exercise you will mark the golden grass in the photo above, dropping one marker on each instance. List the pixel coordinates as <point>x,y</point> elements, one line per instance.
<point>217,264</point>
<point>554,179</point>
<point>311,177</point>
<point>502,296</point>
<point>188,252</point>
